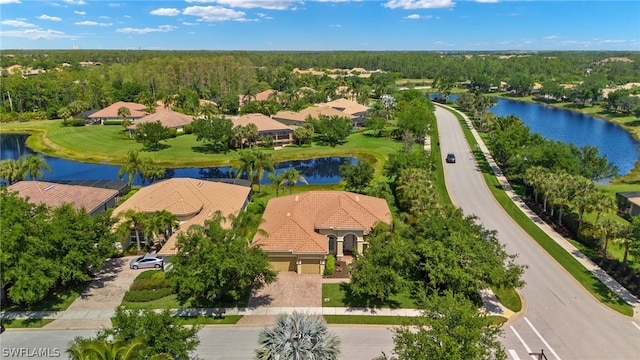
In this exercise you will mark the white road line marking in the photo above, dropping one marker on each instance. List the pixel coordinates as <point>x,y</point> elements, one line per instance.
<point>541,338</point>
<point>636,325</point>
<point>513,354</point>
<point>526,347</point>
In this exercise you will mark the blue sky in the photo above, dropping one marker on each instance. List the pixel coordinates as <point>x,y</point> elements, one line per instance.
<point>432,25</point>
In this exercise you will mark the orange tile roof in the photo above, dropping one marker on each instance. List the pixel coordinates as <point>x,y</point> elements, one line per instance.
<point>347,106</point>
<point>313,111</point>
<point>168,118</point>
<point>263,122</point>
<point>54,194</point>
<point>111,111</point>
<point>290,222</point>
<point>192,200</point>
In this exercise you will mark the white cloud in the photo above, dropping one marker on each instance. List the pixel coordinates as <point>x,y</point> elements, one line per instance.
<point>92,23</point>
<point>80,12</point>
<point>248,4</point>
<point>189,24</point>
<point>214,13</point>
<point>487,1</point>
<point>9,1</point>
<point>17,23</point>
<point>412,17</point>
<point>418,4</point>
<point>75,2</point>
<point>165,12</point>
<point>36,34</point>
<point>47,17</point>
<point>161,28</point>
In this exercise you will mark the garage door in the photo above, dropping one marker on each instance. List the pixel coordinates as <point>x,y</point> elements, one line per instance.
<point>311,266</point>
<point>283,264</point>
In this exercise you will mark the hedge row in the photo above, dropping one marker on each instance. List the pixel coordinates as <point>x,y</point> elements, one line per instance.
<point>147,295</point>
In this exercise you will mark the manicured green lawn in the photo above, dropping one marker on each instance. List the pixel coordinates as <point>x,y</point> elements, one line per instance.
<point>109,144</point>
<point>208,320</point>
<point>58,301</point>
<point>508,297</point>
<point>340,296</point>
<point>29,324</point>
<point>588,280</point>
<point>369,319</point>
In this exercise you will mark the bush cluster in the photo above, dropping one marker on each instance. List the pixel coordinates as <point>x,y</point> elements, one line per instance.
<point>150,284</point>
<point>330,266</point>
<point>112,122</point>
<point>147,295</point>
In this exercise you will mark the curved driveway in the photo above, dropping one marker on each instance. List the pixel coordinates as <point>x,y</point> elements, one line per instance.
<point>560,316</point>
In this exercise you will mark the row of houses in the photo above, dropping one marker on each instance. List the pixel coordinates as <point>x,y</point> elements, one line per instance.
<point>298,231</point>
<point>279,126</point>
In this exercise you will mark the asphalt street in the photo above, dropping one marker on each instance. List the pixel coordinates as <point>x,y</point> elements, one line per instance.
<point>216,342</point>
<point>561,318</point>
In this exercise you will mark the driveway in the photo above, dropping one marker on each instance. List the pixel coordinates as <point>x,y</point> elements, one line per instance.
<point>103,293</point>
<point>290,290</point>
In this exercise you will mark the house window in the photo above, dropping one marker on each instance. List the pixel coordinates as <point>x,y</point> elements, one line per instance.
<point>332,244</point>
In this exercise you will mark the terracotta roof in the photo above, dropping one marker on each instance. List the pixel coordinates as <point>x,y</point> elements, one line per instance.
<point>54,194</point>
<point>347,106</point>
<point>261,96</point>
<point>290,222</point>
<point>313,111</point>
<point>111,111</point>
<point>168,118</point>
<point>263,122</point>
<point>192,200</point>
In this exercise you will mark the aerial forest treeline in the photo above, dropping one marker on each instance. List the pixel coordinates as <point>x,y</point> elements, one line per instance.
<point>133,75</point>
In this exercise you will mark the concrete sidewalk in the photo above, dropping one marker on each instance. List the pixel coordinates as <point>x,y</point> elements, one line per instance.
<point>605,278</point>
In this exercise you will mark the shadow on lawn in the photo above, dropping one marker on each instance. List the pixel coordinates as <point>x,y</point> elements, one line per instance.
<point>354,301</point>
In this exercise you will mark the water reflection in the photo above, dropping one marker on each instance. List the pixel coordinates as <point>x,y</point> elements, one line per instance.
<point>315,171</point>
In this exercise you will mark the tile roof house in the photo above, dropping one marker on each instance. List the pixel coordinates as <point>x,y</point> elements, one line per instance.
<point>168,118</point>
<point>111,112</point>
<point>296,119</point>
<point>261,96</point>
<point>301,229</point>
<point>281,134</point>
<point>94,200</point>
<point>192,201</point>
<point>358,112</point>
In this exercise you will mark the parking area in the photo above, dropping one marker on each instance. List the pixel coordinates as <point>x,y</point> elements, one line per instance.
<point>290,290</point>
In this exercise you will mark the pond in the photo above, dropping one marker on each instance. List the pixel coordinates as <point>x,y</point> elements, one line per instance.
<point>612,141</point>
<point>315,171</point>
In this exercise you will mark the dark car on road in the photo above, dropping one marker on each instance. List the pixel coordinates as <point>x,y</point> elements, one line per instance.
<point>451,158</point>
<point>147,262</point>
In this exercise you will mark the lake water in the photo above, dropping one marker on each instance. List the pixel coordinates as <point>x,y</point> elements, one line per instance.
<point>612,141</point>
<point>316,171</point>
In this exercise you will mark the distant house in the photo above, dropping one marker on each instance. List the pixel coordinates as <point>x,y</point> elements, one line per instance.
<point>628,202</point>
<point>357,112</point>
<point>94,200</point>
<point>297,119</point>
<point>168,118</point>
<point>111,112</point>
<point>281,134</point>
<point>192,201</point>
<point>261,96</point>
<point>298,231</point>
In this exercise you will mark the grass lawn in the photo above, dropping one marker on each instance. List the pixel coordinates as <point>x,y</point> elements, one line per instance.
<point>208,320</point>
<point>58,301</point>
<point>369,319</point>
<point>339,295</point>
<point>25,323</point>
<point>109,144</point>
<point>588,280</point>
<point>508,297</point>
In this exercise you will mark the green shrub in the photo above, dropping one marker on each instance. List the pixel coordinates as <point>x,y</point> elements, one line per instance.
<point>148,274</point>
<point>173,132</point>
<point>76,122</point>
<point>188,129</point>
<point>330,266</point>
<point>150,284</point>
<point>112,122</point>
<point>147,295</point>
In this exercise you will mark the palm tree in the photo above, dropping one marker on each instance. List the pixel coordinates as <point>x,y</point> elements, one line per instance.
<point>630,236</point>
<point>277,179</point>
<point>251,133</point>
<point>11,170</point>
<point>33,165</point>
<point>64,113</point>
<point>582,197</point>
<point>609,229</point>
<point>253,162</point>
<point>298,336</point>
<point>166,223</point>
<point>263,162</point>
<point>124,112</point>
<point>603,204</point>
<point>291,177</point>
<point>134,165</point>
<point>101,349</point>
<point>137,221</point>
<point>561,192</point>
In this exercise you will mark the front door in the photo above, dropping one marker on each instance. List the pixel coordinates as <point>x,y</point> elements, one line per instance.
<point>350,242</point>
<point>332,244</point>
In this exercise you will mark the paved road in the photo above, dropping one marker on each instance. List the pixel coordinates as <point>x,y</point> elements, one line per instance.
<point>216,342</point>
<point>561,317</point>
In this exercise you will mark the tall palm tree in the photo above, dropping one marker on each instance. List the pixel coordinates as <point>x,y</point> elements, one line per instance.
<point>137,221</point>
<point>583,190</point>
<point>251,133</point>
<point>263,162</point>
<point>298,336</point>
<point>11,170</point>
<point>100,349</point>
<point>630,237</point>
<point>33,165</point>
<point>291,177</point>
<point>132,165</point>
<point>609,229</point>
<point>124,112</point>
<point>603,204</point>
<point>277,179</point>
<point>166,222</point>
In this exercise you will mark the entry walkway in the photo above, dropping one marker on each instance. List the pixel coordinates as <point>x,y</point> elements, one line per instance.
<point>605,278</point>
